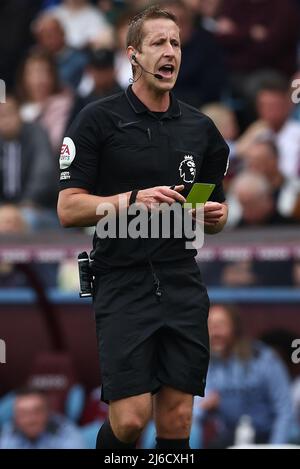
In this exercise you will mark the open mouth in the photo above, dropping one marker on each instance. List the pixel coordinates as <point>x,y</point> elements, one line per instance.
<point>167,70</point>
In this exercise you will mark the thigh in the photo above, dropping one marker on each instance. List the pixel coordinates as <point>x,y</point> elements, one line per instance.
<point>184,342</point>
<point>127,320</point>
<point>167,399</point>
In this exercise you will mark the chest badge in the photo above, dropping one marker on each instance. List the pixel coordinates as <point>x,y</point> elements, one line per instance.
<point>187,169</point>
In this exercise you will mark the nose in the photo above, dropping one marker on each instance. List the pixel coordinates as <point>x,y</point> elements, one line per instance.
<point>169,50</point>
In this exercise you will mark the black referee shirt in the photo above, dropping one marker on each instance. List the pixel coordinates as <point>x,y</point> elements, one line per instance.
<point>116,144</point>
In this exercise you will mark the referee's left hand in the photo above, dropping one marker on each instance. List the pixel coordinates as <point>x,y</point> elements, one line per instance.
<point>213,212</point>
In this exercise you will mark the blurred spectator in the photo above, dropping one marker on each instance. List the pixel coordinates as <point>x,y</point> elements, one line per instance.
<point>122,64</point>
<point>101,70</point>
<point>244,378</point>
<point>50,36</point>
<point>225,121</point>
<point>274,106</point>
<point>111,9</point>
<point>252,203</point>
<point>11,220</point>
<point>262,158</point>
<point>35,427</point>
<point>102,77</point>
<point>15,37</point>
<point>257,39</point>
<point>262,34</point>
<point>43,98</point>
<point>55,374</point>
<point>83,23</point>
<point>202,76</point>
<point>209,11</point>
<point>27,167</point>
<point>281,341</point>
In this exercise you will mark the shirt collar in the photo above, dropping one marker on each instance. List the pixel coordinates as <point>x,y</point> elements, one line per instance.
<point>139,107</point>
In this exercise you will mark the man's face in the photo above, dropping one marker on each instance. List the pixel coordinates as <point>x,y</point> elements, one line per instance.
<point>51,35</point>
<point>160,53</point>
<point>38,79</point>
<point>221,331</point>
<point>274,108</point>
<point>257,207</point>
<point>11,220</point>
<point>31,415</point>
<point>261,159</point>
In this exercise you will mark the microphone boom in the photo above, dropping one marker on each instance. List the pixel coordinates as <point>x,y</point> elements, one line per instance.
<point>156,75</point>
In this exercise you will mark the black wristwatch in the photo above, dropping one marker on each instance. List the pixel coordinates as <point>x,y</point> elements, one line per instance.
<point>132,197</point>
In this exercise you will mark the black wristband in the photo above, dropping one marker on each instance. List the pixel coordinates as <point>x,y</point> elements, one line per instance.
<point>132,197</point>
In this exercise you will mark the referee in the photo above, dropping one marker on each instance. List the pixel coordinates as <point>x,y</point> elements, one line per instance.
<point>150,304</point>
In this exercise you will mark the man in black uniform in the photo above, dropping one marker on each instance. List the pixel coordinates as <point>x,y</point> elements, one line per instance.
<point>151,306</point>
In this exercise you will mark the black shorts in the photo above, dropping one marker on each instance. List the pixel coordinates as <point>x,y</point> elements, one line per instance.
<point>145,341</point>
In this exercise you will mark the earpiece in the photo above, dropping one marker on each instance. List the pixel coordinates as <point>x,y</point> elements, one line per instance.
<point>156,75</point>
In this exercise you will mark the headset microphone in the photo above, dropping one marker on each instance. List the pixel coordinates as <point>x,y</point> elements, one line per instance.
<point>156,75</point>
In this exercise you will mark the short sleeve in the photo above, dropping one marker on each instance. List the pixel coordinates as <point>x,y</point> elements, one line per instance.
<point>215,163</point>
<point>81,151</point>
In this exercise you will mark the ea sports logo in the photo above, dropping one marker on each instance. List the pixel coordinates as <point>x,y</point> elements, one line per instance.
<point>67,153</point>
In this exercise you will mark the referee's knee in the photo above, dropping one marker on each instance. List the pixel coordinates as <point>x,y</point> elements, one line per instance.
<point>129,427</point>
<point>129,417</point>
<point>175,422</point>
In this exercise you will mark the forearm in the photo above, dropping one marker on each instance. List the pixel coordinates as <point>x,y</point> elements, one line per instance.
<point>77,208</point>
<point>80,210</point>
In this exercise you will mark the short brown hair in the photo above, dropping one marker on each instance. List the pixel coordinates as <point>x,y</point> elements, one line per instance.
<point>135,31</point>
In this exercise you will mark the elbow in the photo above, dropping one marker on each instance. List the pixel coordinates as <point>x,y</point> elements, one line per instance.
<point>65,223</point>
<point>66,210</point>
<point>64,217</point>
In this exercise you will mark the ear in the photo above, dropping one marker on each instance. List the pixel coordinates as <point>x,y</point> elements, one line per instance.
<point>130,52</point>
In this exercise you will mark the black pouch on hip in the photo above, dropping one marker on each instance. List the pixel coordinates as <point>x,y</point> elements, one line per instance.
<point>86,278</point>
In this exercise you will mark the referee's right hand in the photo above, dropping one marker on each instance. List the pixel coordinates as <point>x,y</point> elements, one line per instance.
<point>160,194</point>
